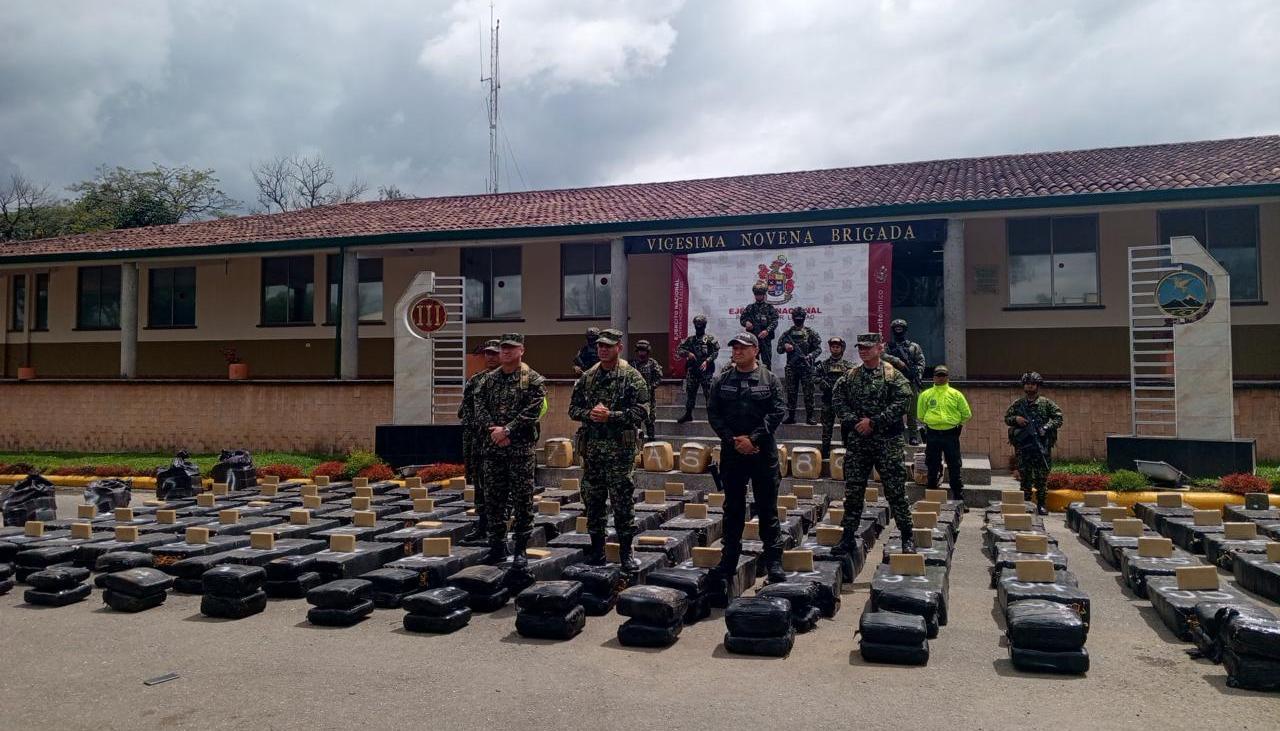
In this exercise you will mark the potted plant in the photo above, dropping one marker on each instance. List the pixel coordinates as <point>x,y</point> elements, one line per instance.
<point>26,373</point>
<point>237,370</point>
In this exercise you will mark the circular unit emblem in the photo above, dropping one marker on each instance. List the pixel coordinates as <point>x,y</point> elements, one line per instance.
<point>426,315</point>
<point>1186,295</point>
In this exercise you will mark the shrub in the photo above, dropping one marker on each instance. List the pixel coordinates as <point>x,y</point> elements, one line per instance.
<point>1128,481</point>
<point>1083,483</point>
<point>357,461</point>
<point>332,470</point>
<point>1242,483</point>
<point>113,470</point>
<point>17,468</point>
<point>283,471</point>
<point>441,471</point>
<point>377,472</point>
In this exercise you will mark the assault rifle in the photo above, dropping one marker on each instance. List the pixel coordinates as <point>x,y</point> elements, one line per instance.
<point>1029,437</point>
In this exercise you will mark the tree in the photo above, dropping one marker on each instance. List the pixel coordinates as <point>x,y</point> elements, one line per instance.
<point>391,193</point>
<point>295,182</point>
<point>123,198</point>
<point>21,203</point>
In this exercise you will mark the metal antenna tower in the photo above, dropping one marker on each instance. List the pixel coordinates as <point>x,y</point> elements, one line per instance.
<point>492,102</point>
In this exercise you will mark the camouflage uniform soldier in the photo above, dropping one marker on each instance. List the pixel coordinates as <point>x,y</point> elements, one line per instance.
<point>699,352</point>
<point>509,404</point>
<point>1033,423</point>
<point>761,319</point>
<point>829,371</point>
<point>802,347</point>
<point>908,358</point>
<point>870,400</point>
<point>586,356</point>
<point>611,400</point>
<point>473,438</point>
<point>652,373</point>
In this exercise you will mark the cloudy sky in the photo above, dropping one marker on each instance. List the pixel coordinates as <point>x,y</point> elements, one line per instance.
<point>600,91</point>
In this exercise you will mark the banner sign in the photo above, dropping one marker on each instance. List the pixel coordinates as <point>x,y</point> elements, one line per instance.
<point>933,231</point>
<point>845,290</point>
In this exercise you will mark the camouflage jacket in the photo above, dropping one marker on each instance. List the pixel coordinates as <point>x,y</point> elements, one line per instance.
<point>806,343</point>
<point>907,357</point>
<point>1042,410</point>
<point>830,370</point>
<point>586,357</point>
<point>704,348</point>
<point>514,400</point>
<point>622,390</point>
<point>881,394</point>
<point>467,411</point>
<point>762,316</point>
<point>652,374</point>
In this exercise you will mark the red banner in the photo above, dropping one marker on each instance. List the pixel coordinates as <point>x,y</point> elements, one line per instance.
<point>679,312</point>
<point>879,285</point>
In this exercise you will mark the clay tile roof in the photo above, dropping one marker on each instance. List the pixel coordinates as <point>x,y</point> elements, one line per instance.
<point>1149,168</point>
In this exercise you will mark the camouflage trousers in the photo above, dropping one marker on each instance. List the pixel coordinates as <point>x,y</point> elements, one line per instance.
<point>1033,474</point>
<point>885,455</point>
<point>828,420</point>
<point>693,380</point>
<point>800,378</point>
<point>472,453</point>
<point>649,430</point>
<point>508,481</point>
<point>607,467</point>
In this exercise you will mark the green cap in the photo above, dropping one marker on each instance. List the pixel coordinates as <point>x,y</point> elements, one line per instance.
<point>609,337</point>
<point>642,345</point>
<point>869,339</point>
<point>512,339</point>
<point>490,346</point>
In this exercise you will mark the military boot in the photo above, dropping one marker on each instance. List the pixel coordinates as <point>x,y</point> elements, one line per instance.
<point>595,555</point>
<point>518,560</point>
<point>791,417</point>
<point>1040,508</point>
<point>908,540</point>
<point>776,574</point>
<point>847,544</point>
<point>809,418</point>
<point>480,532</point>
<point>625,559</point>
<point>687,416</point>
<point>497,552</point>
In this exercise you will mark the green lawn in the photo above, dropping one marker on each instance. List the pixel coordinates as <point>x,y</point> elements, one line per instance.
<point>138,460</point>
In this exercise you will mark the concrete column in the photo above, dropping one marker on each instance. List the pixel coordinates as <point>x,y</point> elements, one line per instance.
<point>129,320</point>
<point>619,299</point>
<point>349,314</point>
<point>953,298</point>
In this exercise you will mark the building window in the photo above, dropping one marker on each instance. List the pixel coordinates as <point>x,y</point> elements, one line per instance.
<point>493,282</point>
<point>18,302</point>
<point>1230,235</point>
<point>171,297</point>
<point>584,272</point>
<point>42,302</point>
<point>288,290</point>
<point>1053,261</point>
<point>369,296</point>
<point>98,298</point>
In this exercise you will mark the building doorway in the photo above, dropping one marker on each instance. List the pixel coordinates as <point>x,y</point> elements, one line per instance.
<point>917,296</point>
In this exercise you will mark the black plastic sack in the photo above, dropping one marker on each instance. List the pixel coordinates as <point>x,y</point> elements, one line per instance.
<point>43,557</point>
<point>559,625</point>
<point>1211,620</point>
<point>694,584</point>
<point>1011,591</point>
<point>893,628</point>
<point>233,580</point>
<point>340,616</point>
<point>654,605</point>
<point>233,607</point>
<point>30,499</point>
<point>490,602</point>
<point>801,595</point>
<point>107,495</point>
<point>451,622</point>
<point>132,603</point>
<point>392,581</point>
<point>6,586</point>
<point>289,567</point>
<point>138,582</point>
<point>1071,662</point>
<point>1249,672</point>
<point>923,603</point>
<point>1177,607</point>
<point>598,606</point>
<point>235,468</point>
<point>57,578</point>
<point>1258,575</point>
<point>917,654</point>
<point>517,580</point>
<point>436,602</point>
<point>181,479</point>
<point>636,633</point>
<point>772,646</point>
<point>550,597</point>
<point>110,563</point>
<point>758,616</point>
<point>1035,624</point>
<point>479,579</point>
<point>293,588</point>
<point>806,622</point>
<point>340,594</point>
<point>59,598</point>
<point>1252,635</point>
<point>603,581</point>
<point>188,586</point>
<point>6,571</point>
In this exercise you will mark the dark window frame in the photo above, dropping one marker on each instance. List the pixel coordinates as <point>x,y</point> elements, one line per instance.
<point>41,303</point>
<point>487,316</point>
<point>80,294</point>
<point>17,304</point>
<point>596,246</point>
<point>152,324</point>
<point>1053,295</point>
<point>306,320</point>
<point>333,274</point>
<point>1208,245</point>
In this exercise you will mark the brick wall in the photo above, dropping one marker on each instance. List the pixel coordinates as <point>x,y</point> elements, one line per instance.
<point>329,416</point>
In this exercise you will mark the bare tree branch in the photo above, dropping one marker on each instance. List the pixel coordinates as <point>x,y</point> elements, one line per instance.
<point>20,200</point>
<point>296,182</point>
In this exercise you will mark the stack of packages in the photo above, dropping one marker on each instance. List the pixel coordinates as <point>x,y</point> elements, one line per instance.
<point>57,586</point>
<point>340,603</point>
<point>890,637</point>
<point>390,586</point>
<point>441,611</point>
<point>1046,636</point>
<point>179,480</point>
<point>1251,651</point>
<point>291,577</point>
<point>759,625</point>
<point>550,610</point>
<point>1207,631</point>
<point>656,615</point>
<point>694,584</point>
<point>233,591</point>
<point>485,587</point>
<point>6,578</point>
<point>600,586</point>
<point>31,560</point>
<point>110,563</point>
<point>802,597</point>
<point>135,590</point>
<point>31,499</point>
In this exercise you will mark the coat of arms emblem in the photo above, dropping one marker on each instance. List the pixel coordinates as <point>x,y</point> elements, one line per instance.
<point>779,277</point>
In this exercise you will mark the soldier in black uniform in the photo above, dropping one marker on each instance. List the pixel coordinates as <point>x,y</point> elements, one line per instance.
<point>745,409</point>
<point>586,356</point>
